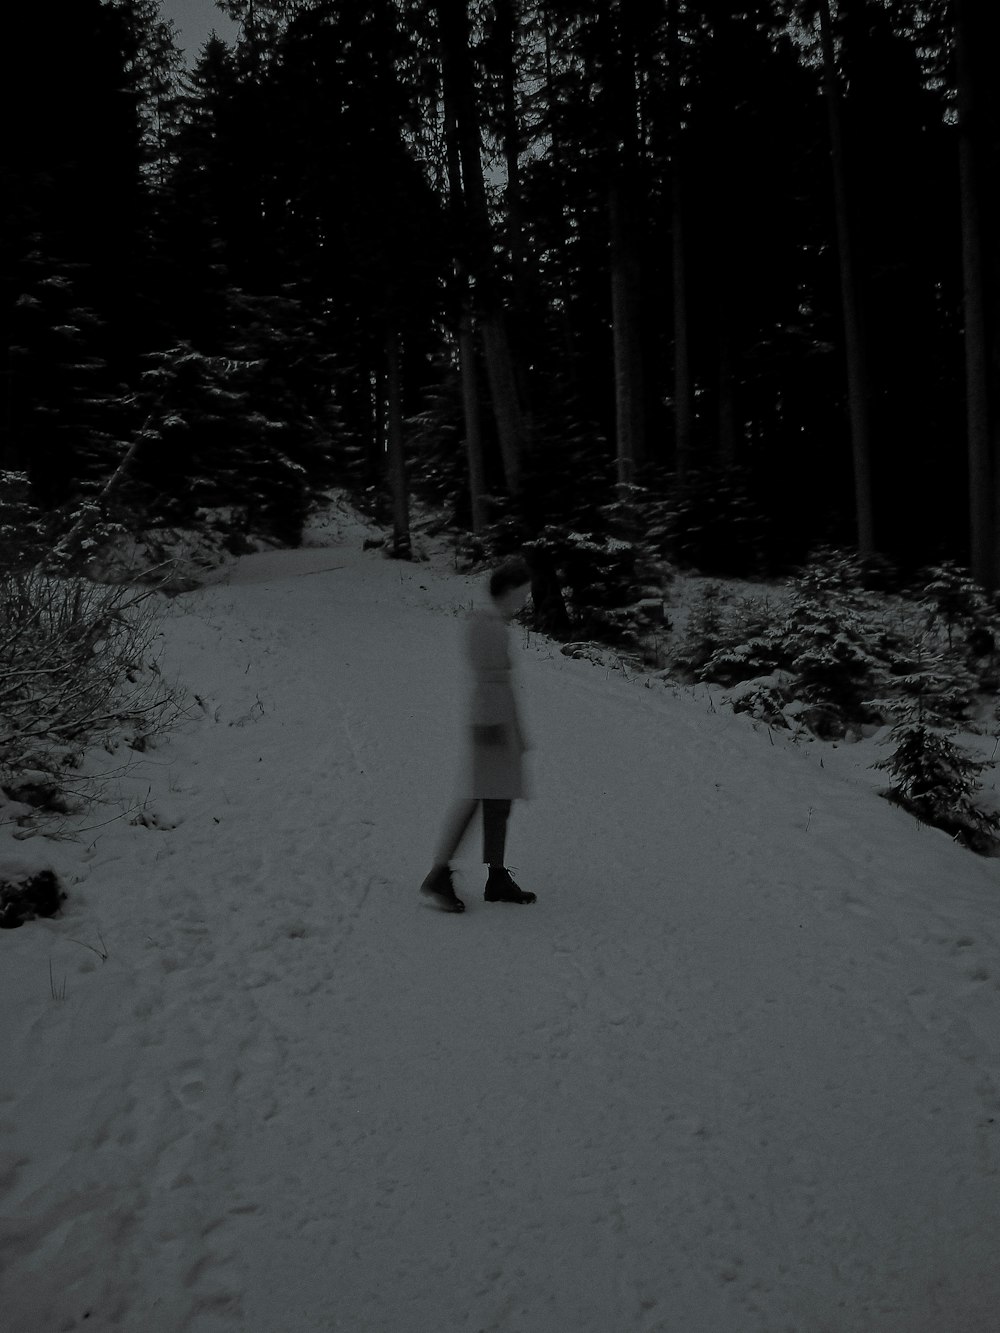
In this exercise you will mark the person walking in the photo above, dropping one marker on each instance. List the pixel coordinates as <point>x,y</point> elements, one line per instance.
<point>494,773</point>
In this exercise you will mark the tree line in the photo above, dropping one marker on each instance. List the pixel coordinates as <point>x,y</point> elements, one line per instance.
<point>602,279</point>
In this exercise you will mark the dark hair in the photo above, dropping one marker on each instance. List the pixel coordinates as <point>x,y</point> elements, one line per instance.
<point>513,573</point>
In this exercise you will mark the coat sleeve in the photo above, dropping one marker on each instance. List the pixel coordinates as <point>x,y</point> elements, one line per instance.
<point>492,700</point>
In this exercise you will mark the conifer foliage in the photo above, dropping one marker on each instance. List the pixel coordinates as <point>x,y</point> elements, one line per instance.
<point>821,650</point>
<point>937,780</point>
<point>530,204</point>
<point>935,684</point>
<point>932,774</point>
<point>612,283</point>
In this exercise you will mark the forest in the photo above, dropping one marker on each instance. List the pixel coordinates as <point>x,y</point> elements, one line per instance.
<point>606,281</point>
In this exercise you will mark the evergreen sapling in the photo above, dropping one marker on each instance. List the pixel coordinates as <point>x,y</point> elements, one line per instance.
<point>930,773</point>
<point>703,631</point>
<point>827,642</point>
<point>956,603</point>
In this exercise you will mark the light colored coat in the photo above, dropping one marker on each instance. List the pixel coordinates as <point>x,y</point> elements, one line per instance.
<point>493,771</point>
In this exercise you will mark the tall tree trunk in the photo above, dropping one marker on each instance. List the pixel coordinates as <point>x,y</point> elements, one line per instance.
<point>984,467</point>
<point>466,337</point>
<point>562,241</point>
<point>625,324</point>
<point>502,376</point>
<point>459,87</point>
<point>401,545</point>
<point>473,421</point>
<point>625,239</point>
<point>459,91</point>
<point>377,443</point>
<point>727,398</point>
<point>854,340</point>
<point>508,30</point>
<point>683,386</point>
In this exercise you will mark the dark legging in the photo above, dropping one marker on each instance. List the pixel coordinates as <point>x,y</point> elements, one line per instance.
<point>495,816</point>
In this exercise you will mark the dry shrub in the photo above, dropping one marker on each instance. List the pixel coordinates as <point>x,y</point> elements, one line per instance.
<point>77,665</point>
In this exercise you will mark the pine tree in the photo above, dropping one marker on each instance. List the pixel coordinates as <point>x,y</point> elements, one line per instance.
<point>153,69</point>
<point>957,603</point>
<point>72,213</point>
<point>936,780</point>
<point>931,774</point>
<point>367,245</point>
<point>274,206</point>
<point>231,429</point>
<point>828,644</point>
<point>703,631</point>
<point>821,641</point>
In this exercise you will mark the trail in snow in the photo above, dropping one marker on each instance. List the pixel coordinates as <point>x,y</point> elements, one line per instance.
<point>736,1070</point>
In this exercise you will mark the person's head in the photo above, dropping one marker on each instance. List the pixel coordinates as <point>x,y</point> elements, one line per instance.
<point>510,584</point>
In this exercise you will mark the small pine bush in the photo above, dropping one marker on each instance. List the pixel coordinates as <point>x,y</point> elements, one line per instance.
<point>831,665</point>
<point>598,582</point>
<point>748,644</point>
<point>822,641</point>
<point>925,687</point>
<point>959,611</point>
<point>957,605</point>
<point>703,632</point>
<point>936,780</point>
<point>757,655</point>
<point>930,774</point>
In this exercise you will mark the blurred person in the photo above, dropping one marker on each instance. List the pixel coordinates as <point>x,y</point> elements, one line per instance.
<point>493,776</point>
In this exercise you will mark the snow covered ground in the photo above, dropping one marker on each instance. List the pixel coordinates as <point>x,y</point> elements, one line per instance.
<point>737,1070</point>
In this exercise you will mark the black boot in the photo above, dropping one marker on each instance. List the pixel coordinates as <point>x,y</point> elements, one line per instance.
<point>500,888</point>
<point>438,886</point>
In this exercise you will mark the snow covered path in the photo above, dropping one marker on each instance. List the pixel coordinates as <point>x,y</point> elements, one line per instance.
<point>738,1069</point>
